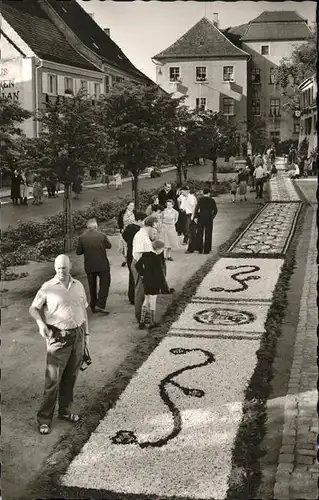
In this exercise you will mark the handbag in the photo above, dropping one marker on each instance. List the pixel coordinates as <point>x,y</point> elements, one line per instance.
<point>86,360</point>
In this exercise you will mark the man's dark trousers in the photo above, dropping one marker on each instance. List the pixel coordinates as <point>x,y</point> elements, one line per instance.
<point>259,188</point>
<point>131,284</point>
<point>186,226</point>
<point>205,225</point>
<point>64,358</point>
<point>99,299</point>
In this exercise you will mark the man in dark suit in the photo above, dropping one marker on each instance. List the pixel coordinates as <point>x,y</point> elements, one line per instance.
<point>93,244</point>
<point>205,213</point>
<point>167,193</point>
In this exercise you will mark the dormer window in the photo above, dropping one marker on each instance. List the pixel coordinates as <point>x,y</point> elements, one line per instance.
<point>201,74</point>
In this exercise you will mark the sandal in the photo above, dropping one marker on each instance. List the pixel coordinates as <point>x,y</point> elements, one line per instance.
<point>70,417</point>
<point>44,429</point>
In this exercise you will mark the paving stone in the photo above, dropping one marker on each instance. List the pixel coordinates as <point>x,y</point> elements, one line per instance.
<point>285,467</point>
<point>286,458</point>
<point>305,446</point>
<point>302,459</point>
<point>310,453</point>
<point>287,448</point>
<point>286,439</point>
<point>301,468</point>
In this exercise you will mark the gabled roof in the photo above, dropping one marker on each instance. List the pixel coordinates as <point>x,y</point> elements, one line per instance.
<point>94,37</point>
<point>278,16</point>
<point>237,30</point>
<point>276,31</point>
<point>36,29</point>
<point>202,40</point>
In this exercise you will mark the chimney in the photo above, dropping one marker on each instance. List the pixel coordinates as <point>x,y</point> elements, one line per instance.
<point>107,31</point>
<point>215,19</point>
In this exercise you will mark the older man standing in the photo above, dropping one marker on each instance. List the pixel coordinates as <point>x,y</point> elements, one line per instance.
<point>142,242</point>
<point>59,308</point>
<point>93,244</point>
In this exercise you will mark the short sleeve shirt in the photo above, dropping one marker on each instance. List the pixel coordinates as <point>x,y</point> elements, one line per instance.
<point>141,243</point>
<point>63,307</point>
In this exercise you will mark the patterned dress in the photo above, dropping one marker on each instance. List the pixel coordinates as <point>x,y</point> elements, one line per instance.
<point>168,233</point>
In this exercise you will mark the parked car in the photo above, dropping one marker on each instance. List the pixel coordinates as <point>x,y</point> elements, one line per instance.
<point>156,172</point>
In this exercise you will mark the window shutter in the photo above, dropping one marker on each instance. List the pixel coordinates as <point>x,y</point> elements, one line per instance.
<point>44,83</point>
<point>60,84</point>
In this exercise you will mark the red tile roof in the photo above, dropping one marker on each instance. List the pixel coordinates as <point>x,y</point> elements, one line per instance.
<point>276,31</point>
<point>94,37</point>
<point>202,40</point>
<point>36,29</point>
<point>278,16</point>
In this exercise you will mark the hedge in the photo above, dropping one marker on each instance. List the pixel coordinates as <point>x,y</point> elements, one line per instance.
<point>39,241</point>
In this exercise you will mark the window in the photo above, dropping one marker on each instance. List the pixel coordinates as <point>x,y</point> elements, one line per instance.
<point>265,50</point>
<point>97,90</point>
<point>201,103</point>
<point>52,84</point>
<point>274,107</point>
<point>84,85</point>
<point>255,107</point>
<point>228,106</point>
<point>68,85</point>
<point>275,133</point>
<point>296,127</point>
<point>272,80</point>
<point>201,75</point>
<point>174,74</point>
<point>255,75</point>
<point>308,126</point>
<point>228,73</point>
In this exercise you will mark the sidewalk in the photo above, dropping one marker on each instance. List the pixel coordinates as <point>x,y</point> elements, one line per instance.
<point>297,471</point>
<point>5,192</point>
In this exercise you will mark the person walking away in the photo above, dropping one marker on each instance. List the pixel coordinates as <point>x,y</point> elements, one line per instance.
<point>149,267</point>
<point>128,236</point>
<point>126,217</point>
<point>242,183</point>
<point>205,213</point>
<point>259,180</point>
<point>233,189</point>
<point>169,234</point>
<point>187,204</point>
<point>93,173</point>
<point>15,187</point>
<point>59,309</point>
<point>118,181</point>
<point>142,242</point>
<point>93,245</point>
<point>51,185</point>
<point>37,191</point>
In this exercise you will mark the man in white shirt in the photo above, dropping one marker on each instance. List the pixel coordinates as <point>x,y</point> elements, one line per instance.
<point>142,242</point>
<point>187,203</point>
<point>59,308</point>
<point>259,175</point>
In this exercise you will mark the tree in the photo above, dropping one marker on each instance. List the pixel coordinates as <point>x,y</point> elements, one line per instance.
<point>12,138</point>
<point>292,71</point>
<point>69,138</point>
<point>257,133</point>
<point>134,119</point>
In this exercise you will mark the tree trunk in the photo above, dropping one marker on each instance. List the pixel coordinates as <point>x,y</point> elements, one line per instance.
<point>179,179</point>
<point>67,216</point>
<point>136,192</point>
<point>214,172</point>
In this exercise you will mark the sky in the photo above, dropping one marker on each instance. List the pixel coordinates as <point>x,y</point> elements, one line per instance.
<point>143,29</point>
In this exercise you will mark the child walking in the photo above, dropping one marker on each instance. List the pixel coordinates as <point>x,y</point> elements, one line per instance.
<point>150,267</point>
<point>233,190</point>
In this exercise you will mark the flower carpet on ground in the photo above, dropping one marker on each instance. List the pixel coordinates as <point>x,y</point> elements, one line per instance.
<point>241,279</point>
<point>270,232</point>
<point>282,189</point>
<point>171,431</point>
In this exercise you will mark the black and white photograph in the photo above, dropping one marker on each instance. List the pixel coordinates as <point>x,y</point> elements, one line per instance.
<point>159,173</point>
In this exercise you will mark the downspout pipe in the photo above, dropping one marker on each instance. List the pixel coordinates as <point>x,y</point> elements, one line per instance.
<point>38,65</point>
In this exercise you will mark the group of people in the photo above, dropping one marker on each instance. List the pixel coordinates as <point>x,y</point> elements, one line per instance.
<point>22,188</point>
<point>302,166</point>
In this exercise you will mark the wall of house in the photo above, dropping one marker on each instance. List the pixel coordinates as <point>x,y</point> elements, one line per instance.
<point>309,116</point>
<point>265,90</point>
<point>16,81</point>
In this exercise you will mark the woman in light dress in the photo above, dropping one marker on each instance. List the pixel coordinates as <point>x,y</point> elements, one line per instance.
<point>168,232</point>
<point>118,180</point>
<point>128,217</point>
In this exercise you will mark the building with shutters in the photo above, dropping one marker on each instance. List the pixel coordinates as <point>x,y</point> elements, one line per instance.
<point>52,48</point>
<point>206,67</point>
<point>308,113</point>
<point>267,39</point>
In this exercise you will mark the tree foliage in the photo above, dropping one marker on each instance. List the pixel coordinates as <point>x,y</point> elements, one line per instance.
<point>292,71</point>
<point>257,133</point>
<point>12,138</point>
